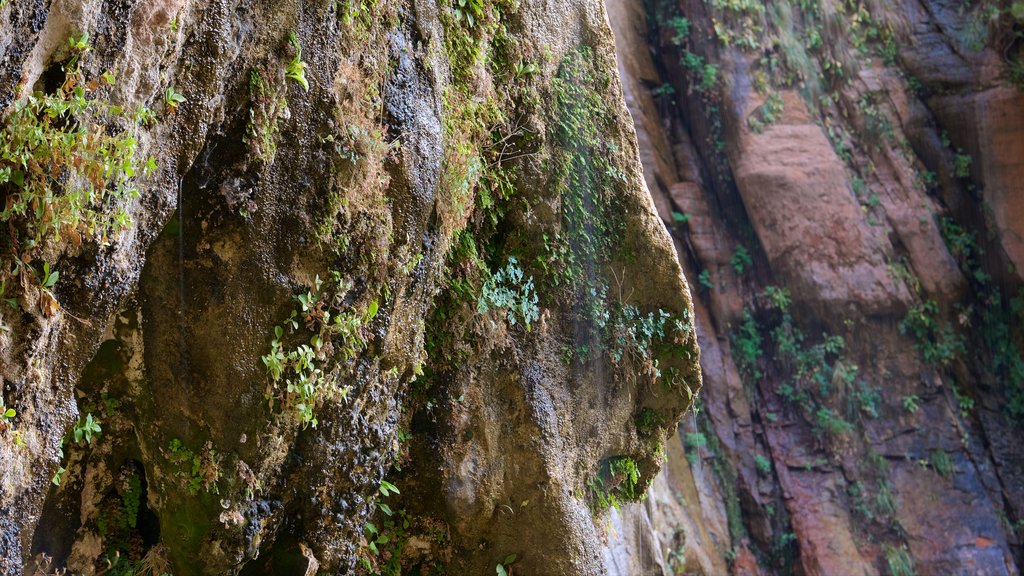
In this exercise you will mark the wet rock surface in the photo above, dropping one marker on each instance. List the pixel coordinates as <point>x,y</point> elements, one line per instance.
<point>223,385</point>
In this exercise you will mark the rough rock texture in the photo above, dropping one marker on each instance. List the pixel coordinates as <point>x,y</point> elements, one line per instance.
<point>867,157</point>
<point>419,247</point>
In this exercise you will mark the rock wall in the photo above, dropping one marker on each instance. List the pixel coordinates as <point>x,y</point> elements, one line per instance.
<point>839,179</point>
<point>262,255</point>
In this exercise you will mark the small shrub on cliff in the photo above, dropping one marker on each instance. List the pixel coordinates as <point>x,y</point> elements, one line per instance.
<point>741,260</point>
<point>510,290</point>
<point>763,465</point>
<point>504,567</point>
<point>936,343</point>
<point>942,463</point>
<point>704,280</point>
<point>305,375</point>
<point>999,330</point>
<point>899,561</point>
<point>618,478</point>
<point>173,98</point>
<point>268,107</point>
<point>910,403</point>
<point>747,346</point>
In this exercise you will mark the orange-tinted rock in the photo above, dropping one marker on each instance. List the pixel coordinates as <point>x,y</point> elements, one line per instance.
<point>795,191</point>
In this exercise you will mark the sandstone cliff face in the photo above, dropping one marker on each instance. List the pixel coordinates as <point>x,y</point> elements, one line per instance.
<point>408,239</point>
<point>842,182</point>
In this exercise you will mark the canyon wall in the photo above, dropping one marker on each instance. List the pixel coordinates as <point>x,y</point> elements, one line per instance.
<point>332,287</point>
<point>842,180</point>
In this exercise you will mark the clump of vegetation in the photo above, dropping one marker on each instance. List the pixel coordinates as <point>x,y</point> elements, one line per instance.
<point>741,260</point>
<point>738,22</point>
<point>68,166</point>
<point>268,107</point>
<point>704,280</point>
<point>173,99</point>
<point>617,479</point>
<point>942,463</point>
<point>197,471</point>
<point>305,375</point>
<point>763,465</point>
<point>936,343</point>
<point>899,561</point>
<point>86,428</point>
<point>747,346</point>
<point>999,321</point>
<point>766,114</point>
<point>508,290</point>
<point>504,568</point>
<point>591,186</point>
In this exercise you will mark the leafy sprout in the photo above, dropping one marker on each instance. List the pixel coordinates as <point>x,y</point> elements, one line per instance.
<point>297,68</point>
<point>173,98</point>
<point>469,10</point>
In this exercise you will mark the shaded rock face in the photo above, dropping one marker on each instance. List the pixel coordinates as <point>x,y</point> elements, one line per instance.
<point>841,181</point>
<point>401,239</point>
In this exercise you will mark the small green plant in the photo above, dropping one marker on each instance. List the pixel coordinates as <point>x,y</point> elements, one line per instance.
<point>296,69</point>
<point>831,423</point>
<point>645,421</point>
<point>936,343</point>
<point>763,465</point>
<point>884,503</point>
<point>197,471</point>
<point>704,75</point>
<point>963,401</point>
<point>942,463</point>
<point>469,10</point>
<point>304,376</point>
<point>704,279</point>
<point>747,346</point>
<point>680,217</point>
<point>48,279</point>
<point>86,428</point>
<point>6,415</point>
<point>173,98</point>
<point>696,440</point>
<point>509,289</point>
<point>266,110</point>
<point>504,567</point>
<point>374,538</point>
<point>633,339</point>
<point>899,561</point>
<point>80,44</point>
<point>675,558</point>
<point>58,476</point>
<point>779,298</point>
<point>910,403</point>
<point>962,165</point>
<point>741,260</point>
<point>766,114</point>
<point>681,29</point>
<point>866,398</point>
<point>1017,73</point>
<point>386,489</point>
<point>618,478</point>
